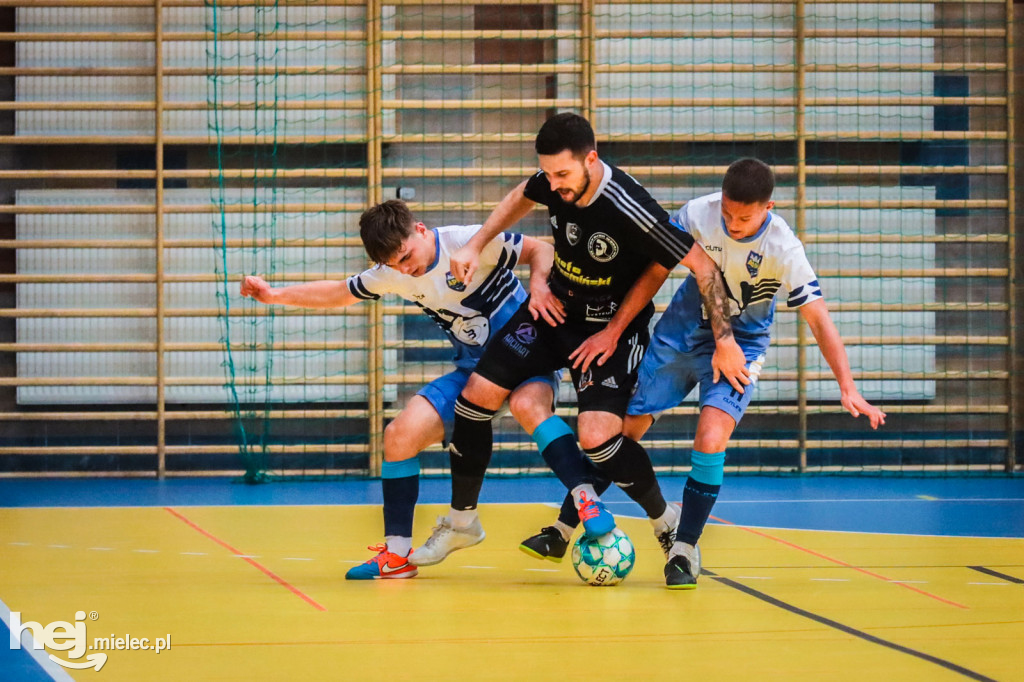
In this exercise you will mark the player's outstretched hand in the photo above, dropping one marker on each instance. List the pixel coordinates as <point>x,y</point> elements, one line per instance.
<point>598,347</point>
<point>464,263</point>
<point>544,304</point>
<point>256,288</point>
<point>729,362</point>
<point>856,405</point>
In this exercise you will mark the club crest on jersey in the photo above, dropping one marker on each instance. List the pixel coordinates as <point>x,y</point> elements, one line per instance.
<point>602,248</point>
<point>572,233</point>
<point>754,263</point>
<point>453,283</point>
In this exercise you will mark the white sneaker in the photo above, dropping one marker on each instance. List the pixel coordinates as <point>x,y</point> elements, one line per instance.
<point>444,540</point>
<point>668,536</point>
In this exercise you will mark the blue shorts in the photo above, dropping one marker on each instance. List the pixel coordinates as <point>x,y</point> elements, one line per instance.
<point>667,376</point>
<point>442,392</point>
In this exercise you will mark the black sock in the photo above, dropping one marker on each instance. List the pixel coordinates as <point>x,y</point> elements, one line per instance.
<point>626,463</point>
<point>400,496</point>
<point>469,452</point>
<point>698,499</point>
<point>568,463</point>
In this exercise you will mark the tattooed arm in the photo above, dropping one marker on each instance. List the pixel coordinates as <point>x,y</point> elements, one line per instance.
<point>728,360</point>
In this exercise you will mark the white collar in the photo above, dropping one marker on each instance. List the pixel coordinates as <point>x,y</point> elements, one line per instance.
<point>605,179</point>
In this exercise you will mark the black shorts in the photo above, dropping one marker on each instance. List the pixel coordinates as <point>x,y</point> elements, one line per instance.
<point>525,348</point>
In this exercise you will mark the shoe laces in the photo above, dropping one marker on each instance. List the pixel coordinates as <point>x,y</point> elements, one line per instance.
<point>379,549</point>
<point>443,527</point>
<point>666,540</point>
<point>588,508</point>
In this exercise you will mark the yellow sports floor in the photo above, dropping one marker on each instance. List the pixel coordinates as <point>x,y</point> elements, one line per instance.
<point>257,593</point>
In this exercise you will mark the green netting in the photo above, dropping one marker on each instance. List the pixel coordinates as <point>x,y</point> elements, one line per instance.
<point>890,164</point>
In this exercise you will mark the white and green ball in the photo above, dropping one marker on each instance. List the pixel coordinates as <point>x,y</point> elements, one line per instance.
<point>605,560</point>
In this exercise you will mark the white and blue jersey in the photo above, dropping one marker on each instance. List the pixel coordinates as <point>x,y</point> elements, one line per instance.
<point>468,314</point>
<point>755,270</point>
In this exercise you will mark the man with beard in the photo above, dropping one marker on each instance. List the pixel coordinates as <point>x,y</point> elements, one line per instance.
<point>614,247</point>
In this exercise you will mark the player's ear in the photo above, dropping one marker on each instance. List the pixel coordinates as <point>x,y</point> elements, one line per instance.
<point>591,157</point>
<point>770,205</point>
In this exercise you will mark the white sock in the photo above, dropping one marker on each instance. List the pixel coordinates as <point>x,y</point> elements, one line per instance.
<point>564,529</point>
<point>462,518</point>
<point>399,545</point>
<point>583,488</point>
<point>668,519</point>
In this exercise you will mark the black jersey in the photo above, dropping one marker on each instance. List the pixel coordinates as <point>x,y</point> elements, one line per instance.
<point>602,249</point>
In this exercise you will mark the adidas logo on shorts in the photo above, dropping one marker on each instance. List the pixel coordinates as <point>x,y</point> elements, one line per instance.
<point>610,383</point>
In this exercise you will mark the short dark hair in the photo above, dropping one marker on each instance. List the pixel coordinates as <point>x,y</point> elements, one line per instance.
<point>749,181</point>
<point>565,131</point>
<point>383,228</point>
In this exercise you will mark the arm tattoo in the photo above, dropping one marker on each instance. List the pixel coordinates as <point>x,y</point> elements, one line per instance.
<point>716,303</point>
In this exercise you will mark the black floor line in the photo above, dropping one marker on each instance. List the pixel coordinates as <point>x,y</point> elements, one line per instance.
<point>997,574</point>
<point>948,665</point>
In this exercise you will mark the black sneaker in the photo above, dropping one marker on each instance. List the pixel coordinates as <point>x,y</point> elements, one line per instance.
<point>547,544</point>
<point>683,567</point>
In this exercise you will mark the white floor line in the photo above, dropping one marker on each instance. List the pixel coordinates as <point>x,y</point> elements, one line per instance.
<point>40,656</point>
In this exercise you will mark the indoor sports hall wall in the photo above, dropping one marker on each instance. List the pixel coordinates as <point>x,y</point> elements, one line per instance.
<point>154,151</point>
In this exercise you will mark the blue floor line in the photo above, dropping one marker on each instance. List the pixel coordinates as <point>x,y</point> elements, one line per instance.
<point>983,507</point>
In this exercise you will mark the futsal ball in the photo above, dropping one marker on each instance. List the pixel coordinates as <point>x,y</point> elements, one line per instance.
<point>605,560</point>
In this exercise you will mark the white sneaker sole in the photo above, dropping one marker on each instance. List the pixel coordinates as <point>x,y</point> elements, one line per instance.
<point>419,561</point>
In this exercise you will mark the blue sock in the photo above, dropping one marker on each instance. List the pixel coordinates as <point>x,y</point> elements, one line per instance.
<point>700,494</point>
<point>400,482</point>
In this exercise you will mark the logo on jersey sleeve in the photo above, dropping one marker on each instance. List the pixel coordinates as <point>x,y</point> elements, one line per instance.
<point>754,263</point>
<point>453,283</point>
<point>554,223</point>
<point>602,248</point>
<point>572,233</point>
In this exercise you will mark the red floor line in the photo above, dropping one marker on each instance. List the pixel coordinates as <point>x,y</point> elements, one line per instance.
<point>839,562</point>
<point>255,564</point>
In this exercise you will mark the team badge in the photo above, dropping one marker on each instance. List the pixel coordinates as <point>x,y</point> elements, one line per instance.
<point>454,284</point>
<point>602,248</point>
<point>754,263</point>
<point>572,233</point>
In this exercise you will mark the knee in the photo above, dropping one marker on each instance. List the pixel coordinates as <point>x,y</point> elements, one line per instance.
<point>592,439</point>
<point>530,413</point>
<point>396,443</point>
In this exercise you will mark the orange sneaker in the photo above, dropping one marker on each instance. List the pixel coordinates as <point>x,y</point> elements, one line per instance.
<point>385,565</point>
